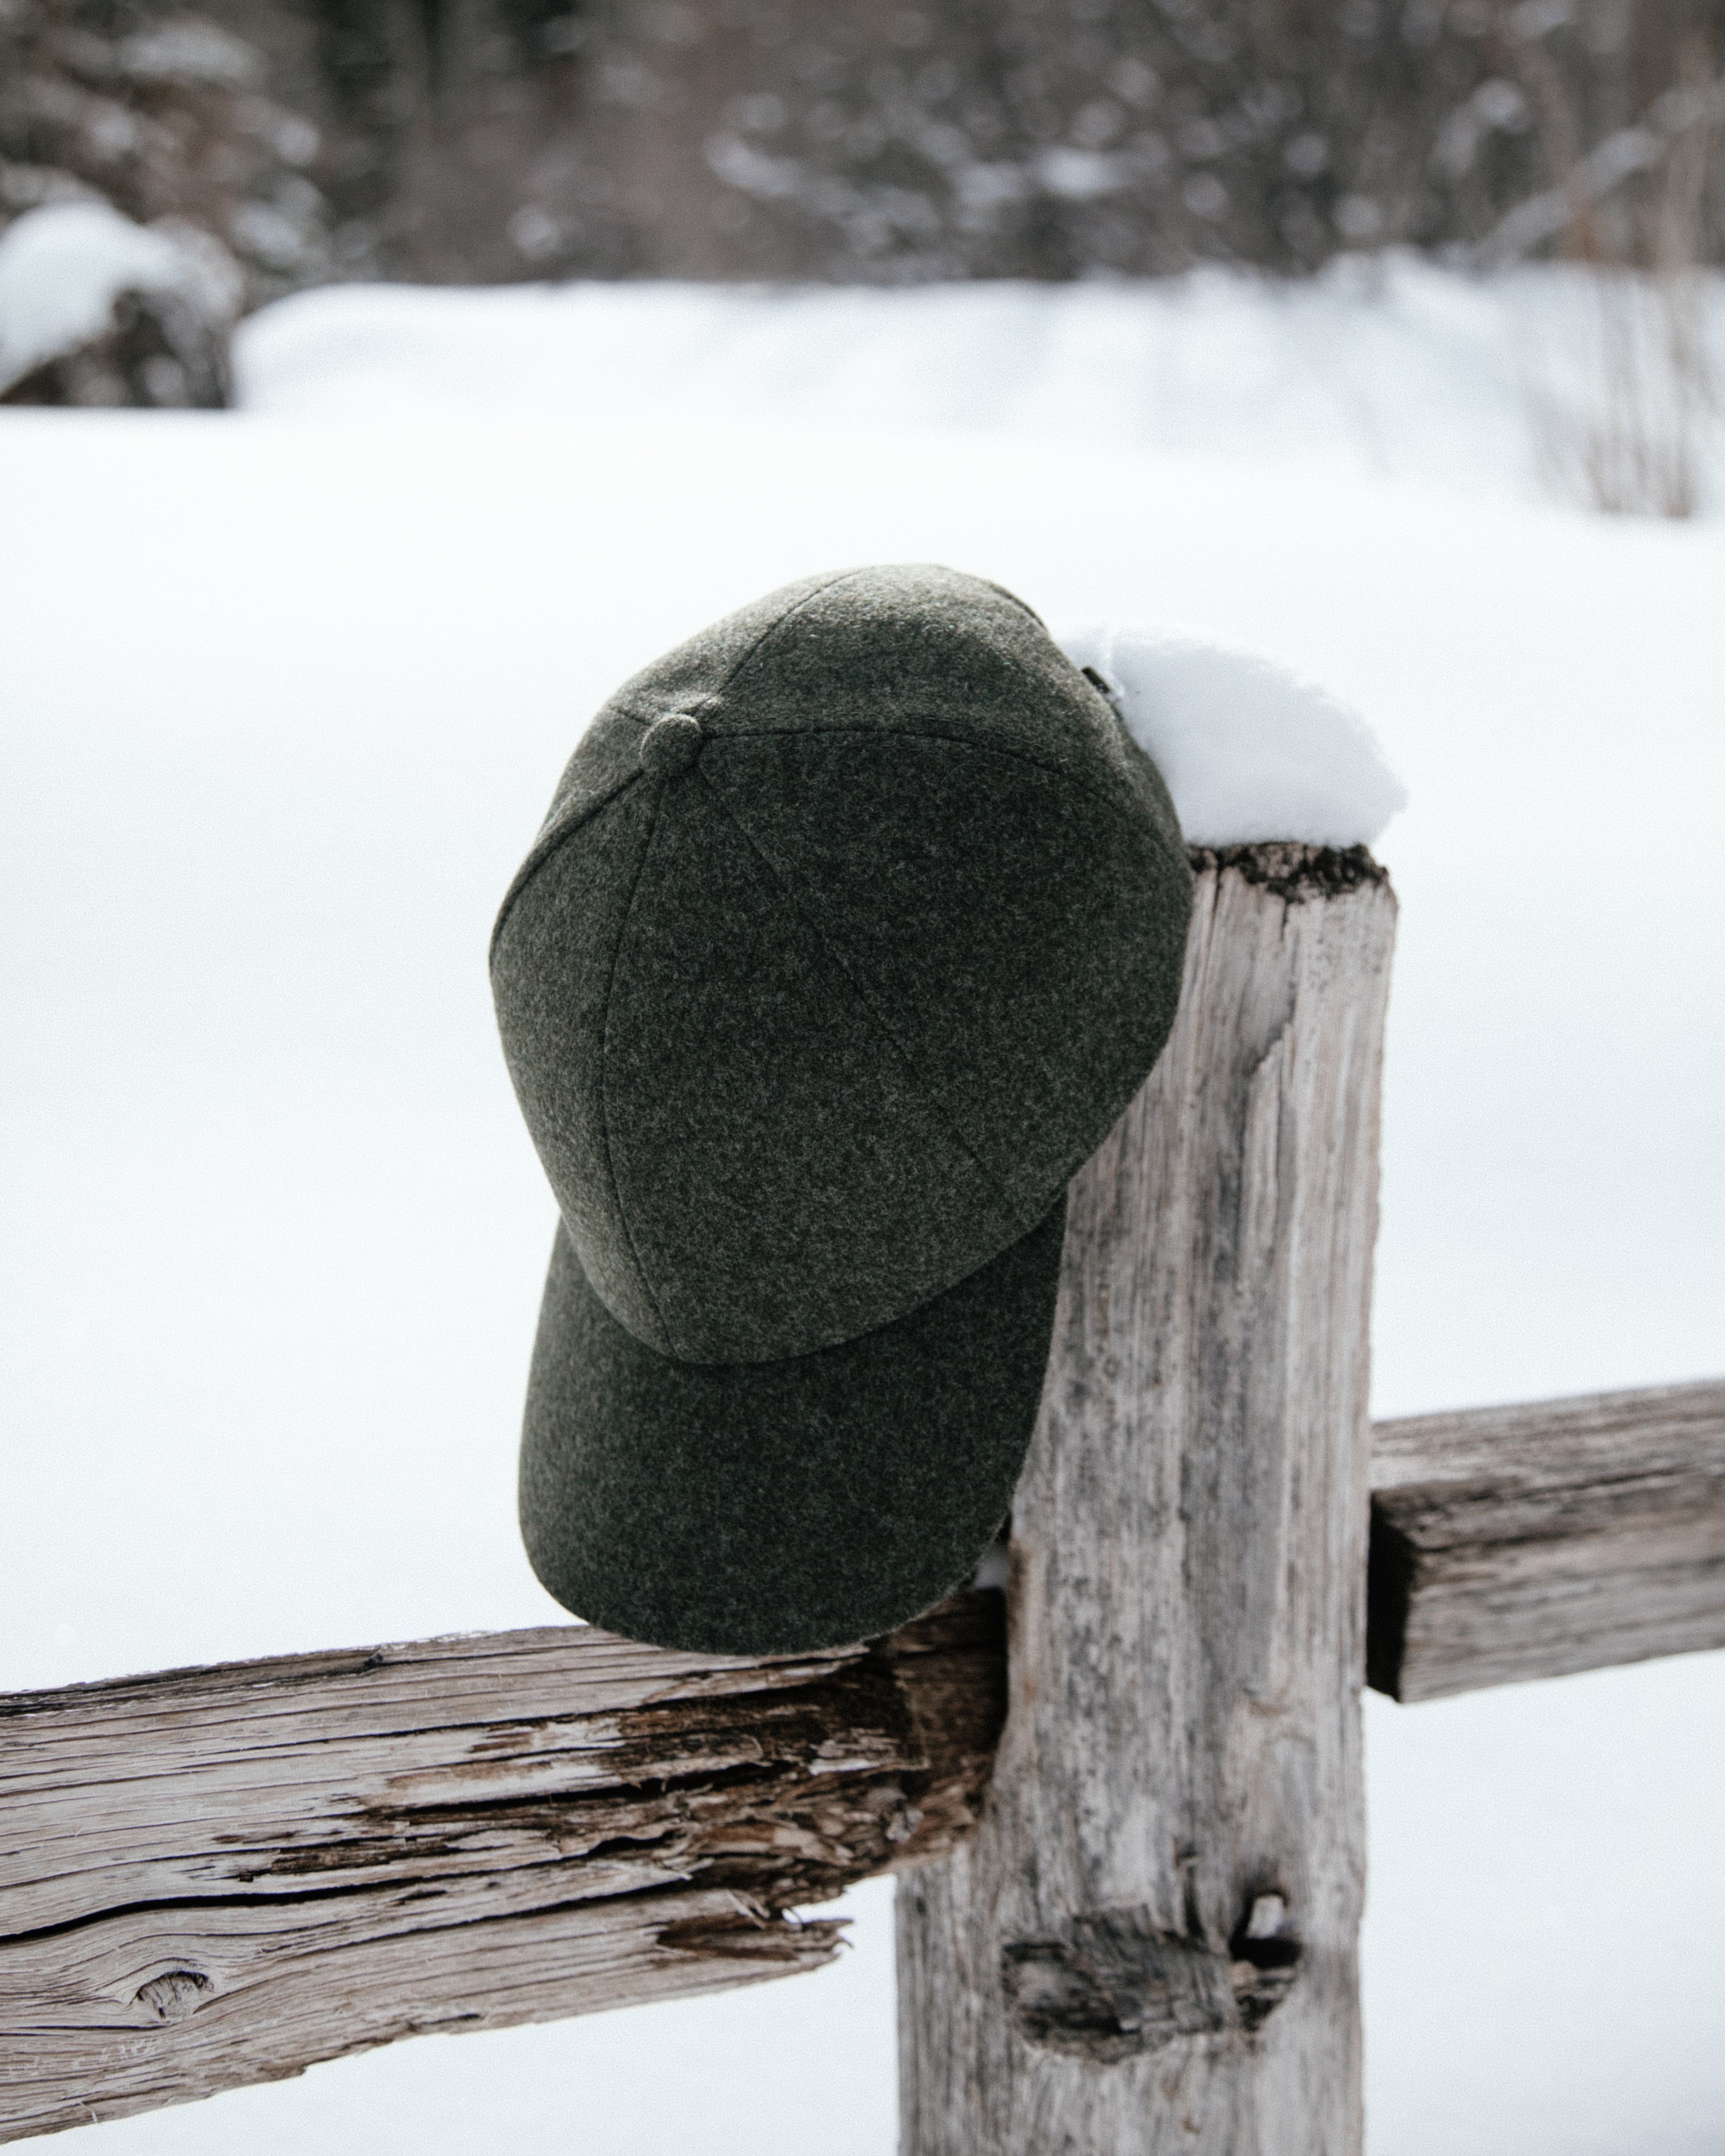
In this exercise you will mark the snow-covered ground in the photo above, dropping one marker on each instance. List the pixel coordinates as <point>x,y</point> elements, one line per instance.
<point>285,694</point>
<point>1383,368</point>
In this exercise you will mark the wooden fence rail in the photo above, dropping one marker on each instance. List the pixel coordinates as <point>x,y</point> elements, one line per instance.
<point>1536,1540</point>
<point>215,1876</point>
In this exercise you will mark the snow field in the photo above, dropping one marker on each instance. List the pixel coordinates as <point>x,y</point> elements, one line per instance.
<point>1384,368</point>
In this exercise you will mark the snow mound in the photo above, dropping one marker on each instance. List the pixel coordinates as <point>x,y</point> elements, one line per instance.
<point>1250,749</point>
<point>63,266</point>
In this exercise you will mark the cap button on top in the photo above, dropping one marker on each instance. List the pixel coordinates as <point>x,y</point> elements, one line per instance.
<point>671,744</point>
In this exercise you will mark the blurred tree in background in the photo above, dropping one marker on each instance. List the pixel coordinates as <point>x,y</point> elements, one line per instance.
<point>484,140</point>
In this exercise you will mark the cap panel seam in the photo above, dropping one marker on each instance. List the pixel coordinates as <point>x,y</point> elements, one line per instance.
<point>728,1370</point>
<point>546,844</point>
<point>845,577</point>
<point>937,1106</point>
<point>773,627</point>
<point>604,1065</point>
<point>731,1375</point>
<point>905,733</point>
<point>622,932</point>
<point>543,849</point>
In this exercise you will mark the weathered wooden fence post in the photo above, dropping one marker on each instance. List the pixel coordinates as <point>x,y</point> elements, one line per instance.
<point>1150,1943</point>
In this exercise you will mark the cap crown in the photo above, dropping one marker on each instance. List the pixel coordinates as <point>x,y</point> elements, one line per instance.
<point>813,1015</point>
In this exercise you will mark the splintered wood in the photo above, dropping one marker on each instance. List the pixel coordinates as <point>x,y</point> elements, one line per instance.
<point>1532,1541</point>
<point>1149,1943</point>
<point>219,1875</point>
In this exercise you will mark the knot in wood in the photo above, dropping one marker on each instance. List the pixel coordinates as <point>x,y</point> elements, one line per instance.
<point>173,1996</point>
<point>1115,1986</point>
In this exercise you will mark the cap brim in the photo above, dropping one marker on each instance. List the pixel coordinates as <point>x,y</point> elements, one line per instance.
<point>772,1507</point>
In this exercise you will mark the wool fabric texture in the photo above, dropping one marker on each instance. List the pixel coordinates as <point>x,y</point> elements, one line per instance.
<point>779,1506</point>
<point>856,921</point>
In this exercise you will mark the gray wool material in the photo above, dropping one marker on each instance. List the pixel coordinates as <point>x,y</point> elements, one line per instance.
<point>856,921</point>
<point>769,1508</point>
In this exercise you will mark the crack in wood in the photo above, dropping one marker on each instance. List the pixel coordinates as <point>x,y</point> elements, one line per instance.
<point>709,1797</point>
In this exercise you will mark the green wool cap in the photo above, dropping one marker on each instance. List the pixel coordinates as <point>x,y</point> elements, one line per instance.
<point>856,921</point>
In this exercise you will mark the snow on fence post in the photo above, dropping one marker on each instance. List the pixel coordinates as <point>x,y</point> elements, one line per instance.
<point>1150,1943</point>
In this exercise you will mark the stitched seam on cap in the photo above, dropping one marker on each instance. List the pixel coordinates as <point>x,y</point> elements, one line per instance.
<point>545,846</point>
<point>604,1060</point>
<point>931,1099</point>
<point>542,850</point>
<point>958,740</point>
<point>845,577</point>
<point>773,627</point>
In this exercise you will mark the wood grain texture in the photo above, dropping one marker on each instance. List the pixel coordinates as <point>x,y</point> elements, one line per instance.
<point>1149,1945</point>
<point>220,1875</point>
<point>1538,1540</point>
